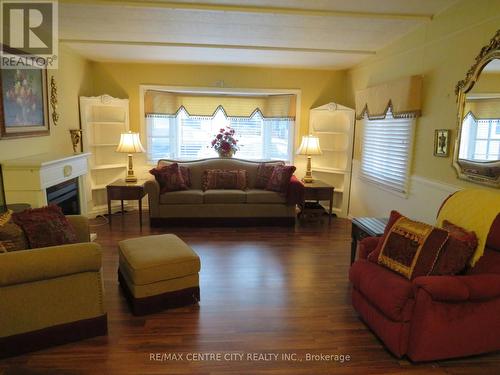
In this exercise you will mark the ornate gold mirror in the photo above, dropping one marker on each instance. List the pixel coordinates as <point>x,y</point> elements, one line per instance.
<point>476,155</point>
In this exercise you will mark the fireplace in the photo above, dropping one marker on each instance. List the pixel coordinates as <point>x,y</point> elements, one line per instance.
<point>66,196</point>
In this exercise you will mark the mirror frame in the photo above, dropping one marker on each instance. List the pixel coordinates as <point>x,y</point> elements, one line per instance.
<point>470,170</point>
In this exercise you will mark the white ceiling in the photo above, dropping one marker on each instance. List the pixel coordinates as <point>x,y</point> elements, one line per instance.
<point>325,34</point>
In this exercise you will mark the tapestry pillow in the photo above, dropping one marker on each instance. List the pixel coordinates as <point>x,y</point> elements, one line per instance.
<point>12,237</point>
<point>457,251</point>
<point>186,175</point>
<point>411,248</point>
<point>280,178</point>
<point>373,256</point>
<point>46,226</point>
<point>224,179</point>
<point>169,177</point>
<point>264,173</point>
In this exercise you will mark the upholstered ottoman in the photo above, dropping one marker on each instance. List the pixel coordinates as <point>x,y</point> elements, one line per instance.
<point>158,272</point>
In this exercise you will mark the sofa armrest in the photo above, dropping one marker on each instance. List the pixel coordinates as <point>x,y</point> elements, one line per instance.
<point>460,288</point>
<point>49,262</point>
<point>81,225</point>
<point>366,246</point>
<point>295,192</point>
<point>152,188</point>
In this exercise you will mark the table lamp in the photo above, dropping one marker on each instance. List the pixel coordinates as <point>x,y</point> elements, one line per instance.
<point>309,146</point>
<point>130,143</point>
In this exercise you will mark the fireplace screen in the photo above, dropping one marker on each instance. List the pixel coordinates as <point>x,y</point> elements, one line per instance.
<point>66,196</point>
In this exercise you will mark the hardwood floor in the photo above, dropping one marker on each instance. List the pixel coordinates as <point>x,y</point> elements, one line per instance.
<point>263,290</point>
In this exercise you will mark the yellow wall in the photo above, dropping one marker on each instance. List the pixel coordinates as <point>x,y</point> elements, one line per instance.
<point>123,80</point>
<point>73,79</point>
<point>441,51</point>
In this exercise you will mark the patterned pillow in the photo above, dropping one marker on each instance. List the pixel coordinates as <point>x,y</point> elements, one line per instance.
<point>46,226</point>
<point>224,179</point>
<point>186,175</point>
<point>455,255</point>
<point>12,237</point>
<point>280,178</point>
<point>411,248</point>
<point>169,177</point>
<point>373,256</point>
<point>264,173</point>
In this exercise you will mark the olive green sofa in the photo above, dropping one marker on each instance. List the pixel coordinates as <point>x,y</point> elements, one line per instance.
<point>52,295</point>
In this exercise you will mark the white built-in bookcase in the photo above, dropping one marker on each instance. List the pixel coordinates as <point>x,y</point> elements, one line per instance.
<point>333,124</point>
<point>103,119</point>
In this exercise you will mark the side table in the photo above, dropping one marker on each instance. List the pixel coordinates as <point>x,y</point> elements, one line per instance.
<point>365,227</point>
<point>319,191</point>
<point>121,190</point>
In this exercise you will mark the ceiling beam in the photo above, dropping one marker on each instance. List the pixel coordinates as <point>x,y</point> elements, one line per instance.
<point>219,46</point>
<point>251,9</point>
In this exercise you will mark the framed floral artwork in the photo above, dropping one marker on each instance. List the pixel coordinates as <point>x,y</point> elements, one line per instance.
<point>23,103</point>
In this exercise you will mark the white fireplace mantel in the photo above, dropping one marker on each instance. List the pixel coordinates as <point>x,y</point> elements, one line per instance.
<point>26,179</point>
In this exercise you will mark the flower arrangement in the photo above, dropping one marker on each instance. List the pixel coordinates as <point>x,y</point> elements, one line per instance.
<point>225,142</point>
<point>23,96</point>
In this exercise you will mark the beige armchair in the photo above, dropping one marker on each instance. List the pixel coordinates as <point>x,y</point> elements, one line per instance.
<point>51,295</point>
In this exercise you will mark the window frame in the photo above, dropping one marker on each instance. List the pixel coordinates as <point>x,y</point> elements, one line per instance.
<point>411,142</point>
<point>223,91</point>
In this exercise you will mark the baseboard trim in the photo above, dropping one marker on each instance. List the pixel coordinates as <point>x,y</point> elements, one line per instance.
<point>160,302</point>
<point>51,336</point>
<point>222,221</point>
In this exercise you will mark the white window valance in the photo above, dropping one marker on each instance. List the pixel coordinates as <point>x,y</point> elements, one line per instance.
<point>163,103</point>
<point>402,97</point>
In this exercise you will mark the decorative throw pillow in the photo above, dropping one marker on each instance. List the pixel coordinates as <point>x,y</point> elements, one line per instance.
<point>12,237</point>
<point>457,251</point>
<point>264,173</point>
<point>186,175</point>
<point>46,226</point>
<point>411,248</point>
<point>224,179</point>
<point>394,216</point>
<point>169,177</point>
<point>280,178</point>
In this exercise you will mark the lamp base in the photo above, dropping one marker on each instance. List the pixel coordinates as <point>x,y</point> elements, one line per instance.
<point>307,180</point>
<point>130,179</point>
<point>308,177</point>
<point>130,171</point>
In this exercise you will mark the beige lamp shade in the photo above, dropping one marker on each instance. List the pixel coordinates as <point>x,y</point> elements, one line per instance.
<point>309,146</point>
<point>130,143</point>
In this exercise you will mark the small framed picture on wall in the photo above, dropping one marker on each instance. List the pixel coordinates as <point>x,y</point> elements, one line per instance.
<point>442,142</point>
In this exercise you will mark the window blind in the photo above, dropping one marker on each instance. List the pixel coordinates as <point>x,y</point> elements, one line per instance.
<point>183,136</point>
<point>386,152</point>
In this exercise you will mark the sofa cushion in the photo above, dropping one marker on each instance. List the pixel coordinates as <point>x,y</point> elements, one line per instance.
<point>46,226</point>
<point>388,291</point>
<point>264,173</point>
<point>155,258</point>
<point>264,196</point>
<point>191,196</point>
<point>455,254</point>
<point>411,248</point>
<point>280,178</point>
<point>224,179</point>
<point>12,237</point>
<point>225,196</point>
<point>169,177</point>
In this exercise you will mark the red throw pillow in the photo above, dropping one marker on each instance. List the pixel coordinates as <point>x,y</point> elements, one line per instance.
<point>224,179</point>
<point>46,226</point>
<point>412,248</point>
<point>457,251</point>
<point>169,177</point>
<point>280,178</point>
<point>373,256</point>
<point>264,173</point>
<point>186,175</point>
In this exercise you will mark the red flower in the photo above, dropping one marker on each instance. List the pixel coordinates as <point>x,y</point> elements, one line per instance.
<point>225,146</point>
<point>219,136</point>
<point>213,142</point>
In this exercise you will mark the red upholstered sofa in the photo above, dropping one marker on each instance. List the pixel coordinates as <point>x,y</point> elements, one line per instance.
<point>431,317</point>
